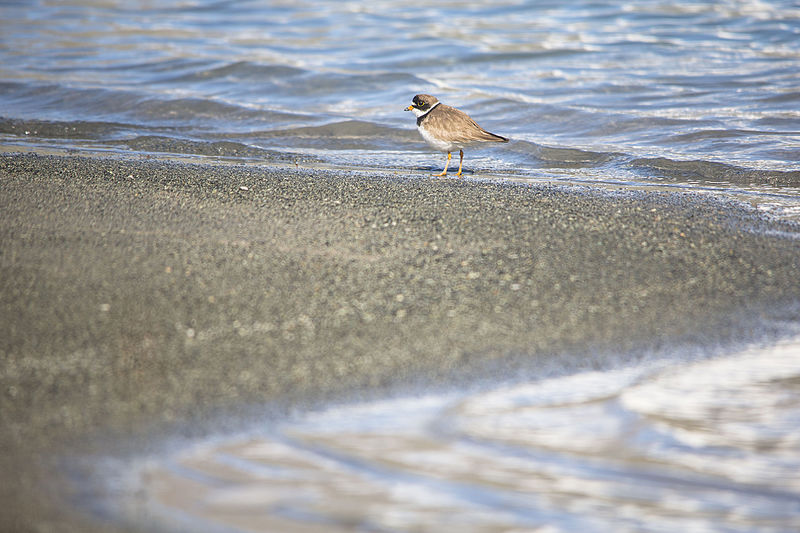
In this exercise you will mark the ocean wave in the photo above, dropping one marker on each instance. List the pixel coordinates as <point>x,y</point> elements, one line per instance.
<point>227,149</point>
<point>345,128</point>
<point>58,102</point>
<point>711,171</point>
<point>238,71</point>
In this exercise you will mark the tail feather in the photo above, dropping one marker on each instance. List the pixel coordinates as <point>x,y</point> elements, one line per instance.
<point>489,136</point>
<point>497,138</point>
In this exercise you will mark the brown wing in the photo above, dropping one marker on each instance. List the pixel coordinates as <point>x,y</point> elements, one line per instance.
<point>458,127</point>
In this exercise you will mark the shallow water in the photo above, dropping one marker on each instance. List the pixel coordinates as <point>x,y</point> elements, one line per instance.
<point>702,94</point>
<point>667,445</point>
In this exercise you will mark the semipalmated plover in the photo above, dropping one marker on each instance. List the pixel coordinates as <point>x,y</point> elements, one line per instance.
<point>447,129</point>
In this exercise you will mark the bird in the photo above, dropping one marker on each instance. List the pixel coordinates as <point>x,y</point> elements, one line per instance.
<point>448,129</point>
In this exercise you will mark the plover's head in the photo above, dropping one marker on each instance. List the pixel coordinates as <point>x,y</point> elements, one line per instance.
<point>422,103</point>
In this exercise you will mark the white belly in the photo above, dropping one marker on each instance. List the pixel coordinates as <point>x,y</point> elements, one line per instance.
<point>442,146</point>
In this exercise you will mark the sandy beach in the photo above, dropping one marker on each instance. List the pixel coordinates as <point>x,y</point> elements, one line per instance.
<point>142,294</point>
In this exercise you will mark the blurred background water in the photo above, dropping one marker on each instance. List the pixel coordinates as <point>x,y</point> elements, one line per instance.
<point>694,93</point>
<point>710,445</point>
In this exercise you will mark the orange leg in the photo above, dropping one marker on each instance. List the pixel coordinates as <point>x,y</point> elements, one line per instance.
<point>460,162</point>
<point>444,172</point>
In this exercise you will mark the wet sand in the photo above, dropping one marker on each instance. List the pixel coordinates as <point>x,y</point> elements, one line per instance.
<point>142,294</point>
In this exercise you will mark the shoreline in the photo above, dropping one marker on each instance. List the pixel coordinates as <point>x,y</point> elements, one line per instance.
<point>149,292</point>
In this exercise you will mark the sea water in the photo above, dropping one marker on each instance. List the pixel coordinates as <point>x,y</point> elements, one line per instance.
<point>697,94</point>
<point>666,445</point>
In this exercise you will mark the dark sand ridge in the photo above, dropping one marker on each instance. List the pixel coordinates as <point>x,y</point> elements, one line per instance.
<point>142,292</point>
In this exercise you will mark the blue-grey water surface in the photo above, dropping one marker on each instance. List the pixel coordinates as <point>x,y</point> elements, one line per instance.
<point>705,94</point>
<point>671,445</point>
<point>693,95</point>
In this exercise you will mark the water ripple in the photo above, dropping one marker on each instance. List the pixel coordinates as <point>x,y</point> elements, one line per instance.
<point>710,445</point>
